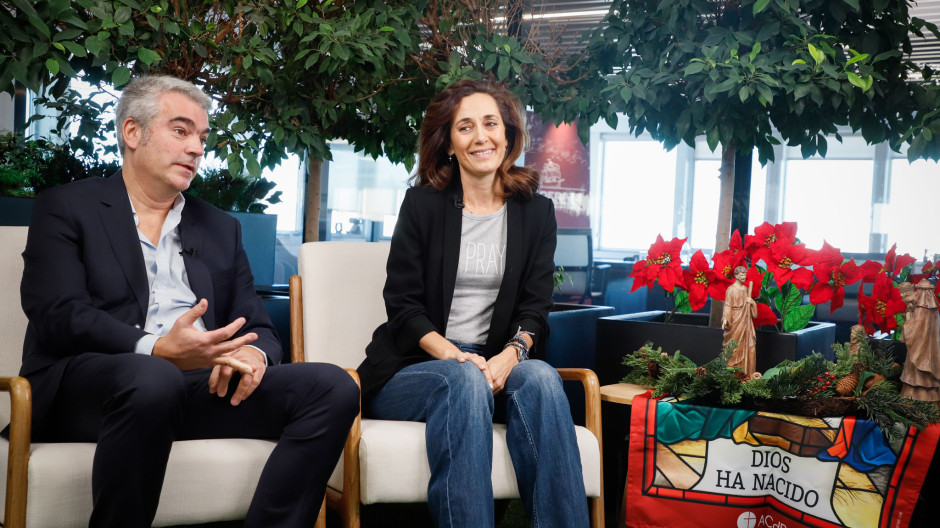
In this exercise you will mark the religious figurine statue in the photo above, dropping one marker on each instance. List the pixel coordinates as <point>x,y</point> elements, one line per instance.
<point>856,334</point>
<point>737,321</point>
<point>919,379</point>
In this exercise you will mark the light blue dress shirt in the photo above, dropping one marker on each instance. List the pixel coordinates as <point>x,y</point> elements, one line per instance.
<point>170,293</point>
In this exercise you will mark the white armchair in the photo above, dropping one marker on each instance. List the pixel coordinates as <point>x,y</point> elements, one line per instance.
<point>336,304</point>
<point>49,484</point>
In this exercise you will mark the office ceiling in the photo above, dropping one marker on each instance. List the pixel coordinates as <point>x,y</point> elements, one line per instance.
<point>572,17</point>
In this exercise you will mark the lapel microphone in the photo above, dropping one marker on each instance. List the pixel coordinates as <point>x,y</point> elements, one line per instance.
<point>191,252</point>
<point>458,203</point>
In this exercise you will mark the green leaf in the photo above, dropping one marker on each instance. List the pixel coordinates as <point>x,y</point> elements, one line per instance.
<point>147,56</point>
<point>502,71</point>
<point>854,5</point>
<point>234,163</point>
<point>798,317</point>
<point>816,53</point>
<point>254,168</point>
<point>725,85</point>
<point>760,5</point>
<point>801,90</point>
<point>856,58</point>
<point>711,137</point>
<point>798,61</point>
<point>626,93</point>
<point>53,66</point>
<point>93,45</point>
<point>68,34</point>
<point>386,28</point>
<point>171,27</point>
<point>301,3</point>
<point>76,49</point>
<point>755,49</point>
<point>694,68</point>
<point>120,76</point>
<point>490,62</point>
<point>122,15</point>
<point>865,83</point>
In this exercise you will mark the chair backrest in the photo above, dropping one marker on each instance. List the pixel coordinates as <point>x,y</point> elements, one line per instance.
<point>12,318</point>
<point>575,253</point>
<point>342,298</point>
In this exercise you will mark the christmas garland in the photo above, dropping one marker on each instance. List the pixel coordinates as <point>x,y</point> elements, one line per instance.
<point>865,380</point>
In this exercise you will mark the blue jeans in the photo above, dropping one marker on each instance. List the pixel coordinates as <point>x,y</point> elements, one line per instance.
<point>454,400</point>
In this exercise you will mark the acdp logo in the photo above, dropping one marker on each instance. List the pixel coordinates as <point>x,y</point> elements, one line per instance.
<point>747,520</point>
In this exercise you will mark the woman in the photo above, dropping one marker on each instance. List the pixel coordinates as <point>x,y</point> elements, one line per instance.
<point>467,295</point>
<point>737,320</point>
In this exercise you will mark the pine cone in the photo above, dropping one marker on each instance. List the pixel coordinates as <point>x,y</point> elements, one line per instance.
<point>756,376</point>
<point>741,375</point>
<point>700,372</point>
<point>653,369</point>
<point>847,383</point>
<point>858,368</point>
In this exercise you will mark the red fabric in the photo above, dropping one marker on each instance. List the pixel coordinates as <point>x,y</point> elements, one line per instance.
<point>652,506</point>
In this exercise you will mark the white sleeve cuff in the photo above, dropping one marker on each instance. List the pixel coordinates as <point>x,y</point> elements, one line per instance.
<point>145,344</point>
<point>265,356</point>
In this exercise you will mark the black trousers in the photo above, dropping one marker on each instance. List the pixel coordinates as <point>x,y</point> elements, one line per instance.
<point>134,406</point>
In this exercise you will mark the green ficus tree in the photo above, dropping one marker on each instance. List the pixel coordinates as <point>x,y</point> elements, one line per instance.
<point>288,77</point>
<point>745,74</point>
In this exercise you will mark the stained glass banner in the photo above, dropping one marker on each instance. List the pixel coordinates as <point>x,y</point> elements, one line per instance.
<point>747,469</point>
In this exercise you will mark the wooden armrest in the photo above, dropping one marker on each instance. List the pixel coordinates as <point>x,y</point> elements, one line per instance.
<point>21,415</point>
<point>592,396</point>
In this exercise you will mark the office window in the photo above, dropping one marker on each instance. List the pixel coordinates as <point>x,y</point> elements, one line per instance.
<point>861,198</point>
<point>363,195</point>
<point>910,217</point>
<point>831,200</point>
<point>637,194</point>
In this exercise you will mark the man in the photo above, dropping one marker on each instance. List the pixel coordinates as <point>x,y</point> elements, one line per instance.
<point>145,328</point>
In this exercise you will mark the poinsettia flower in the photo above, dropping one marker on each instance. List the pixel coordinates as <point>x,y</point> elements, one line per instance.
<point>782,257</point>
<point>879,309</point>
<point>723,263</point>
<point>702,281</point>
<point>928,270</point>
<point>892,266</point>
<point>765,315</point>
<point>662,264</point>
<point>766,235</point>
<point>832,273</point>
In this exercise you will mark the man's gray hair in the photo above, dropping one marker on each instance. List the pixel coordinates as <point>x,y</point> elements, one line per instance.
<point>140,101</point>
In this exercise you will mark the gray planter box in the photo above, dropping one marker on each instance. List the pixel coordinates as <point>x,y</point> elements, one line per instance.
<point>690,333</point>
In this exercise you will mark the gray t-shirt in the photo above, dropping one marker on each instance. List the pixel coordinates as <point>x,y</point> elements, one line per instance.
<point>479,275</point>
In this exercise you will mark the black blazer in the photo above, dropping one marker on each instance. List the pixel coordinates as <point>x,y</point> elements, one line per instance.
<point>422,272</point>
<point>85,285</point>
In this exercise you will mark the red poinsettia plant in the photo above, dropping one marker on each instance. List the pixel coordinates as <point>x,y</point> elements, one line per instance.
<point>884,309</point>
<point>781,272</point>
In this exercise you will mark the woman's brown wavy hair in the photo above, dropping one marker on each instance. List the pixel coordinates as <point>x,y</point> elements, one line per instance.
<point>435,167</point>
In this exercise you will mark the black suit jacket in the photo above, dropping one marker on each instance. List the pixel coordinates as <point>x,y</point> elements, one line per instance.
<point>85,285</point>
<point>422,272</point>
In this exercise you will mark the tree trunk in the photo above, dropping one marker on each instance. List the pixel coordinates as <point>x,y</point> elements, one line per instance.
<point>723,233</point>
<point>312,201</point>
